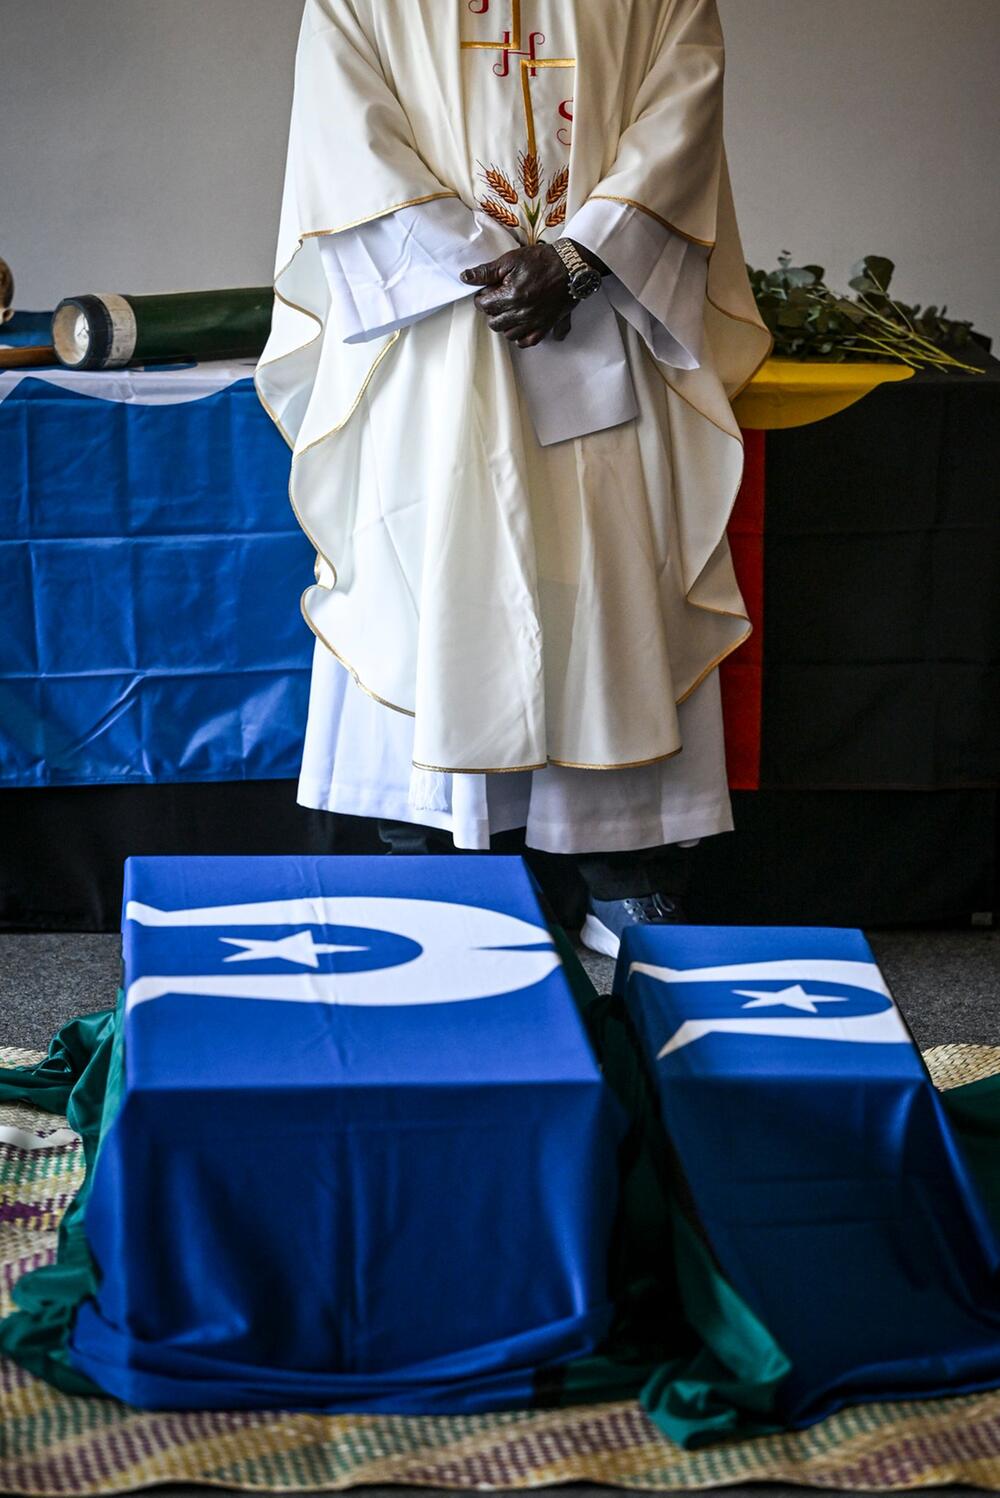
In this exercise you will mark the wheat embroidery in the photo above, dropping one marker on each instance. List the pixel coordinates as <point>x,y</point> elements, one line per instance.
<point>500,183</point>
<point>558,185</point>
<point>529,169</point>
<point>501,213</point>
<point>528,209</point>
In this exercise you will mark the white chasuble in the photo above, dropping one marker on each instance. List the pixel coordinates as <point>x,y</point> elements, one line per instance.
<point>526,604</point>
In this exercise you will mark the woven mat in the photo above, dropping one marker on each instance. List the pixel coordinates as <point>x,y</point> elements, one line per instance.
<point>53,1444</point>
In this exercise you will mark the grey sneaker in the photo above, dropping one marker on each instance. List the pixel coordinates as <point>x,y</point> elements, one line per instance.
<point>607,919</point>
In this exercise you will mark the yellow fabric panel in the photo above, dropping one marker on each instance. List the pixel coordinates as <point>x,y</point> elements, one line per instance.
<point>794,392</point>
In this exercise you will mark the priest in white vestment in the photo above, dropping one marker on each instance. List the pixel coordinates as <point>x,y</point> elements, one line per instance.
<point>511,315</point>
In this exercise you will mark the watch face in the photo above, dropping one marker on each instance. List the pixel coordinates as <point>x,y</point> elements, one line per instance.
<point>584,282</point>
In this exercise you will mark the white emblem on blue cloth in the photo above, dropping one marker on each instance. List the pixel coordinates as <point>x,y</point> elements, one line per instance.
<point>464,952</point>
<point>299,947</point>
<point>883,1027</point>
<point>794,997</point>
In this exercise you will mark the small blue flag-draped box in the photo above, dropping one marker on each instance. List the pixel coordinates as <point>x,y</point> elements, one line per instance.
<point>818,1160</point>
<point>364,1159</point>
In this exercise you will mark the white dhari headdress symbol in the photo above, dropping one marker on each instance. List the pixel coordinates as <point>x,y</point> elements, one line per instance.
<point>465,952</point>
<point>884,1027</point>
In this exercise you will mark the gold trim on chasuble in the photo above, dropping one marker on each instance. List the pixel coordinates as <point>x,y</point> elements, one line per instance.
<point>524,200</point>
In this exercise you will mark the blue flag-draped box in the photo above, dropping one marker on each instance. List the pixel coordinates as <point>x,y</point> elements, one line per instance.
<point>818,1161</point>
<point>364,1158</point>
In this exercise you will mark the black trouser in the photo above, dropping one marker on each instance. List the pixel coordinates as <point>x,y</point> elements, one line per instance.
<point>607,876</point>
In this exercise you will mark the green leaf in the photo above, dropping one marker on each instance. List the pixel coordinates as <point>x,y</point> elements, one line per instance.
<point>878,268</point>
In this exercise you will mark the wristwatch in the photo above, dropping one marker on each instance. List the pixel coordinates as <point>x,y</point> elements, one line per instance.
<point>584,280</point>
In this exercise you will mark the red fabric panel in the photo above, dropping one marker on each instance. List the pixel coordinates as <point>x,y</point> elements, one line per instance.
<point>742,673</point>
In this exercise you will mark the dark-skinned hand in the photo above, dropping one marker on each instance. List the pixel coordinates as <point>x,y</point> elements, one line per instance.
<point>525,294</point>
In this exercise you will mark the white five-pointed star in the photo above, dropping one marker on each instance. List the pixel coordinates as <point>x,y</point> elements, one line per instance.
<point>794,997</point>
<point>299,947</point>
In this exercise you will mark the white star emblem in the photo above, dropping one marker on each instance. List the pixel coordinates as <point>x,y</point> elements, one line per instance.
<point>299,947</point>
<point>794,997</point>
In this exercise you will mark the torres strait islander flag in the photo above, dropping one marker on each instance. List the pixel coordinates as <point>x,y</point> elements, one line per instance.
<point>818,1162</point>
<point>365,1157</point>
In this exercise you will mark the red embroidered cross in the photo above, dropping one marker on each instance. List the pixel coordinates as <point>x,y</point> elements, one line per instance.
<point>511,46</point>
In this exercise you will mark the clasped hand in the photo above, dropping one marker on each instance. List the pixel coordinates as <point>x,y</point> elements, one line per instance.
<point>525,294</point>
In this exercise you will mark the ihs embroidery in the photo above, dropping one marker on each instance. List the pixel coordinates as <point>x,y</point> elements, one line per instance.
<point>529,62</point>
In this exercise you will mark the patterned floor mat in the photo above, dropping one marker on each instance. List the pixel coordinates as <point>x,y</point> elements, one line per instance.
<point>53,1444</point>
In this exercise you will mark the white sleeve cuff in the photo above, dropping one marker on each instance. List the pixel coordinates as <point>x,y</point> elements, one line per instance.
<point>398,269</point>
<point>661,276</point>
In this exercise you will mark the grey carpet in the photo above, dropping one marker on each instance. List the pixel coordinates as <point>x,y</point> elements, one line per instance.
<point>46,980</point>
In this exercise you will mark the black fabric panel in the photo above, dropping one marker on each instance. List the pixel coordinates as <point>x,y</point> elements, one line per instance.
<point>882,591</point>
<point>842,858</point>
<point>62,850</point>
<point>851,858</point>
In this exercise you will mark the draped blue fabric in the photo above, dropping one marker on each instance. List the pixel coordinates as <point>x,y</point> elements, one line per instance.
<point>26,329</point>
<point>818,1161</point>
<point>364,1159</point>
<point>150,572</point>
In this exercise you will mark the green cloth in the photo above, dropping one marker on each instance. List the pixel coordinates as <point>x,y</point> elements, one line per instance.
<point>81,1077</point>
<point>974,1111</point>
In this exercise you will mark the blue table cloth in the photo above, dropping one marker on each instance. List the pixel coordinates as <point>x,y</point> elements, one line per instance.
<point>27,329</point>
<point>150,572</point>
<point>818,1162</point>
<point>364,1156</point>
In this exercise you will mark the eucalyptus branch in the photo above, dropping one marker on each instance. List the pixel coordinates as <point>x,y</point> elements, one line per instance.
<point>886,348</point>
<point>810,321</point>
<point>925,349</point>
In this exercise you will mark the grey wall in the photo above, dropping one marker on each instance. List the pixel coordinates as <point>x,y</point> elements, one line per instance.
<point>141,141</point>
<point>871,126</point>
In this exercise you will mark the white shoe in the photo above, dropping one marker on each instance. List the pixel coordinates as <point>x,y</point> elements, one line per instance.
<point>597,937</point>
<point>607,919</point>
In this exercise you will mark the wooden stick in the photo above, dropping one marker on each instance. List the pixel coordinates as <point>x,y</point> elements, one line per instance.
<point>40,356</point>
